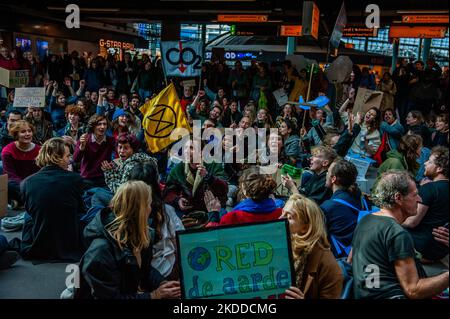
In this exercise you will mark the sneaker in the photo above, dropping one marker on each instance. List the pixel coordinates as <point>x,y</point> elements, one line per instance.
<point>13,223</point>
<point>8,258</point>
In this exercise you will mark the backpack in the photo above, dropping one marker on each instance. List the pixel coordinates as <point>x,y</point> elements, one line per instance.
<point>338,246</point>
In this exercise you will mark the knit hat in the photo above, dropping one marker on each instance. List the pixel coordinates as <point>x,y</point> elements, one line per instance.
<point>118,112</point>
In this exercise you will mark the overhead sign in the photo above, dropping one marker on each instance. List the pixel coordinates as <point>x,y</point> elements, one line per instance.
<point>290,31</point>
<point>310,19</point>
<point>216,264</point>
<point>242,18</point>
<point>417,32</point>
<point>116,44</point>
<point>250,30</point>
<point>359,32</point>
<point>338,30</point>
<point>425,19</point>
<point>26,97</point>
<point>182,58</point>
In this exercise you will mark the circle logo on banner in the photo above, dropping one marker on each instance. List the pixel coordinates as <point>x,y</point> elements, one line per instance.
<point>163,119</point>
<point>199,258</point>
<point>184,56</point>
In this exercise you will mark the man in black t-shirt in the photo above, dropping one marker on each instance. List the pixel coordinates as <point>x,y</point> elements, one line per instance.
<point>433,211</point>
<point>383,253</point>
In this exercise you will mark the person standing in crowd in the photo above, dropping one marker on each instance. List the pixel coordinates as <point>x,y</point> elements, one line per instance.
<point>387,86</point>
<point>381,241</point>
<point>120,232</point>
<point>433,210</point>
<point>401,77</point>
<point>300,85</point>
<point>8,60</point>
<point>54,205</point>
<point>441,135</point>
<point>44,128</point>
<point>92,149</point>
<point>313,185</point>
<point>239,83</point>
<point>93,76</point>
<point>18,159</point>
<point>145,81</point>
<point>341,210</point>
<point>317,274</point>
<point>392,128</point>
<point>369,139</point>
<point>367,79</point>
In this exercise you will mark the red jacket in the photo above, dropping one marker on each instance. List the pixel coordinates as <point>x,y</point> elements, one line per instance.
<point>11,64</point>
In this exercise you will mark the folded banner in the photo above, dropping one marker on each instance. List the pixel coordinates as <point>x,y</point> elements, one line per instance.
<point>216,264</point>
<point>162,115</point>
<point>182,59</point>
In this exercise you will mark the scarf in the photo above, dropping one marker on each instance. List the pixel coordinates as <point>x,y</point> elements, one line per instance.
<point>249,205</point>
<point>194,181</point>
<point>299,266</point>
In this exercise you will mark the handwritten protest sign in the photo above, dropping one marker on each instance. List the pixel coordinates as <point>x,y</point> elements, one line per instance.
<point>13,78</point>
<point>366,99</point>
<point>216,263</point>
<point>25,97</point>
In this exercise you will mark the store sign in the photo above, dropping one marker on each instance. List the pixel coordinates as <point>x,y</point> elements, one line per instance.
<point>242,18</point>
<point>351,32</point>
<point>232,55</point>
<point>290,31</point>
<point>417,32</point>
<point>425,19</point>
<point>116,44</point>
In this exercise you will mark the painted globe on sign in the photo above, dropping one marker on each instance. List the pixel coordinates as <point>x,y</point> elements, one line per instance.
<point>199,258</point>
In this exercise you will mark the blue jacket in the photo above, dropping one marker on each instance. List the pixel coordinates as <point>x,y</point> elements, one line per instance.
<point>340,219</point>
<point>58,113</point>
<point>395,131</point>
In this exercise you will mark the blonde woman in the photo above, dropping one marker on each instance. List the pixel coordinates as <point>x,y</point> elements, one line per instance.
<point>317,274</point>
<point>117,263</point>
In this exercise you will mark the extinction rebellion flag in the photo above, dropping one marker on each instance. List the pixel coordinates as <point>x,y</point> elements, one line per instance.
<point>162,115</point>
<point>182,59</point>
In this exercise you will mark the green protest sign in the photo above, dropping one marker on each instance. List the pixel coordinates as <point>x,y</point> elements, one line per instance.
<point>236,262</point>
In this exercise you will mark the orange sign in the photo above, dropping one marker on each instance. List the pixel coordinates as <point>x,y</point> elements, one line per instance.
<point>116,44</point>
<point>315,21</point>
<point>242,18</point>
<point>291,31</point>
<point>425,19</point>
<point>350,32</point>
<point>417,32</point>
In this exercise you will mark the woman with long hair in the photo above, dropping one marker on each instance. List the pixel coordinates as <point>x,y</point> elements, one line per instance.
<point>317,274</point>
<point>291,142</point>
<point>164,221</point>
<point>404,157</point>
<point>369,139</point>
<point>117,263</point>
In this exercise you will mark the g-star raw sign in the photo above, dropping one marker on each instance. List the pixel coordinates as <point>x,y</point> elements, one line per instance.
<point>182,58</point>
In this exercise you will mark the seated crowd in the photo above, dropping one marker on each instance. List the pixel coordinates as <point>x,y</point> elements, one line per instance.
<point>94,194</point>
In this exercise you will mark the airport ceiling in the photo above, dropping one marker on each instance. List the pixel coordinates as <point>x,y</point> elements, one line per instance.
<point>206,11</point>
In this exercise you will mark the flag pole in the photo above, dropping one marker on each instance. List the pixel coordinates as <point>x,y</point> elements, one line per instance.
<point>307,94</point>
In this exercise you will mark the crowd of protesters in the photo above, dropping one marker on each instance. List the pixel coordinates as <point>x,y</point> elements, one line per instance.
<point>93,193</point>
